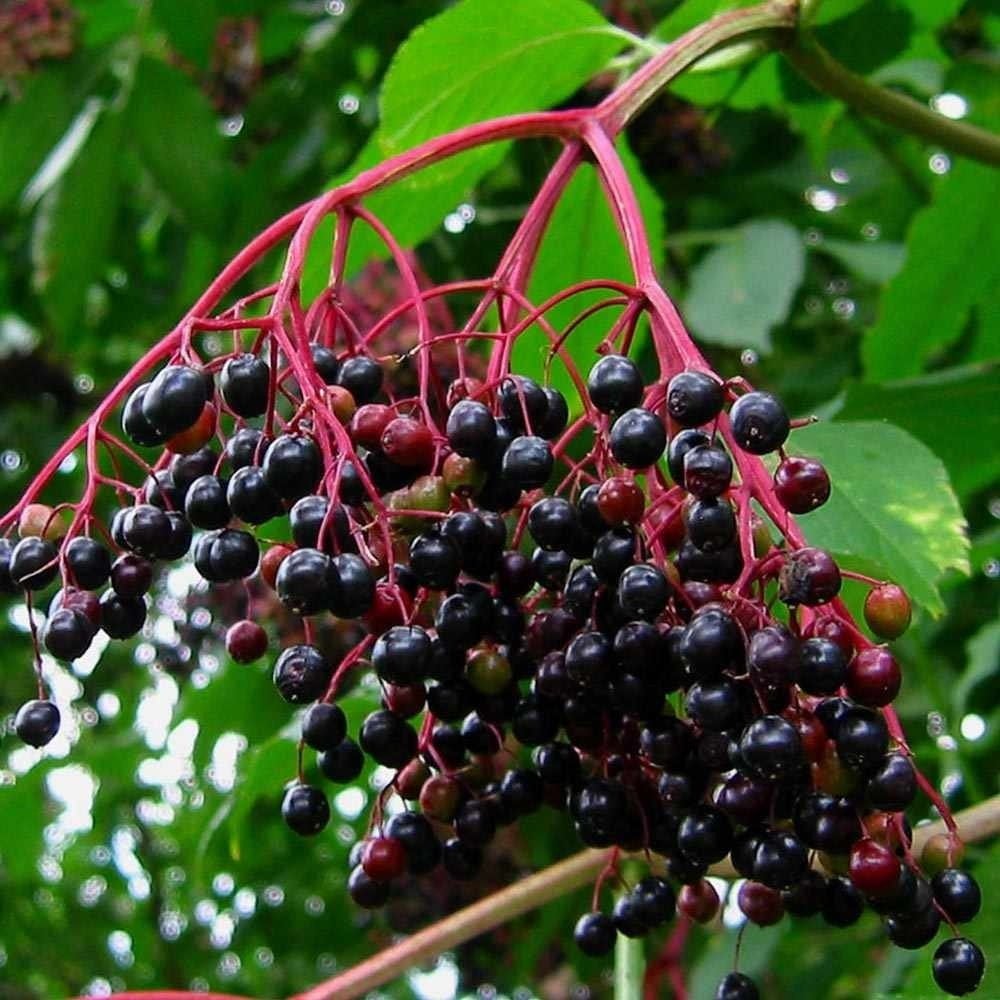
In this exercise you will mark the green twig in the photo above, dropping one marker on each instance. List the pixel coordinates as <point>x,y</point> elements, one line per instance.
<point>630,966</point>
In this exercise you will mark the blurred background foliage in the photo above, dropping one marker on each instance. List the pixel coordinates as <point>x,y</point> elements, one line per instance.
<point>849,268</point>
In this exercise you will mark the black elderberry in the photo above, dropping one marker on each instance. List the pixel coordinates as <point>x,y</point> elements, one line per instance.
<point>402,655</point>
<point>958,894</point>
<point>771,748</point>
<point>145,529</point>
<point>292,466</point>
<point>361,377</point>
<point>807,896</point>
<point>556,417</point>
<point>185,469</point>
<point>178,539</point>
<point>680,445</point>
<point>614,384</point>
<point>414,832</point>
<point>708,471</point>
<point>638,438</point>
<point>222,556</point>
<point>324,726</point>
<point>352,586</point>
<point>714,705</point>
<point>598,808</point>
<point>366,892</point>
<point>736,986</point>
<point>709,567</point>
<point>450,700</point>
<point>175,399</point>
<point>710,643</point>
<point>781,860</point>
<point>122,617</point>
<point>595,934</point>
<point>711,524</point>
<point>131,575</point>
<point>471,429</point>
<point>247,447</point>
<point>694,398</point>
<point>643,591</point>
<point>843,904</point>
<point>553,523</point>
<point>522,397</point>
<point>342,763</point>
<point>37,722</point>
<point>627,919</point>
<point>467,531</point>
<point>137,428</point>
<point>614,552</point>
<point>435,560</point>
<point>388,739</point>
<point>589,515</point>
<point>475,822</point>
<point>862,738</point>
<point>250,497</point>
<point>822,666</point>
<point>705,834</point>
<point>325,362</point>
<point>893,786</point>
<point>303,582</point>
<point>302,674</point>
<point>243,383</point>
<point>551,569</point>
<point>527,463</point>
<point>88,562</point>
<point>460,860</point>
<point>533,720</point>
<point>827,822</point>
<point>913,931</point>
<point>305,810</point>
<point>33,563</point>
<point>205,505</point>
<point>958,966</point>
<point>654,900</point>
<point>760,423</point>
<point>773,656</point>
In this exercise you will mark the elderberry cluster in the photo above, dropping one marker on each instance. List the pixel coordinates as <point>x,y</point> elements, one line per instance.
<point>659,668</point>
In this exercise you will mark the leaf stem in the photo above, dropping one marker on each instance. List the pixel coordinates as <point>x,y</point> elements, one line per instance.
<point>630,965</point>
<point>817,66</point>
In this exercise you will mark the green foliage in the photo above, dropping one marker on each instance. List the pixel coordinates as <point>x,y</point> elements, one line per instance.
<point>864,281</point>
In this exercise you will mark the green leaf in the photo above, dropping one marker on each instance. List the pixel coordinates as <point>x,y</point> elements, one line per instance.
<point>481,60</point>
<point>241,699</point>
<point>953,412</point>
<point>582,242</point>
<point>23,806</point>
<point>878,262</point>
<point>74,225</point>
<point>175,130</point>
<point>263,771</point>
<point>741,289</point>
<point>29,127</point>
<point>891,506</point>
<point>982,654</point>
<point>925,307</point>
<point>190,27</point>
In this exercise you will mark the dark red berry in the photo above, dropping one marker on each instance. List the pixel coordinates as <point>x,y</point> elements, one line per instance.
<point>888,611</point>
<point>874,677</point>
<point>801,484</point>
<point>383,859</point>
<point>246,641</point>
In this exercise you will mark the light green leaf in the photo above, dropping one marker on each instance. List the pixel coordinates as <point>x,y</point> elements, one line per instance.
<point>175,130</point>
<point>879,262</point>
<point>23,806</point>
<point>73,228</point>
<point>263,771</point>
<point>583,242</point>
<point>953,412</point>
<point>892,506</point>
<point>29,127</point>
<point>741,289</point>
<point>925,307</point>
<point>481,59</point>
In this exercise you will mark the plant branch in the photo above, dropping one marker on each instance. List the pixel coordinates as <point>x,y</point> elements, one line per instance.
<point>817,66</point>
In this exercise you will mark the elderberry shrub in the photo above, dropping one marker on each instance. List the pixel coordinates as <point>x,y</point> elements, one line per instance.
<point>527,602</point>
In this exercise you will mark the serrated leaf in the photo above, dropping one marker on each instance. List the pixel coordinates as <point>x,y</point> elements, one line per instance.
<point>891,506</point>
<point>953,412</point>
<point>29,127</point>
<point>925,307</point>
<point>879,262</point>
<point>583,242</point>
<point>74,225</point>
<point>481,59</point>
<point>742,288</point>
<point>175,131</point>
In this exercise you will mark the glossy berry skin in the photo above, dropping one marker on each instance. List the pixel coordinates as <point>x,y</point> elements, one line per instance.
<point>893,786</point>
<point>134,423</point>
<point>416,835</point>
<point>638,438</point>
<point>862,738</point>
<point>759,423</point>
<point>527,463</point>
<point>958,894</point>
<point>131,575</point>
<point>37,722</point>
<point>246,641</point>
<point>408,443</point>
<point>958,966</point>
<point>843,904</point>
<point>710,643</point>
<point>707,471</point>
<point>888,611</point>
<point>595,934</point>
<point>694,398</point>
<point>556,415</point>
<point>874,677</point>
<point>614,384</point>
<point>361,377</point>
<point>520,398</point>
<point>324,726</point>
<point>711,524</point>
<point>292,466</point>
<point>305,810</point>
<point>343,762</point>
<point>33,563</point>
<point>698,901</point>
<point>771,748</point>
<point>122,617</point>
<point>736,986</point>
<point>301,674</point>
<point>205,504</point>
<point>552,522</point>
<point>250,497</point>
<point>801,484</point>
<point>471,429</point>
<point>247,447</point>
<point>705,835</point>
<point>643,591</point>
<point>243,383</point>
<point>810,577</point>
<point>874,869</point>
<point>325,362</point>
<point>383,859</point>
<point>175,399</point>
<point>620,501</point>
<point>388,739</point>
<point>88,561</point>
<point>352,586</point>
<point>67,634</point>
<point>822,666</point>
<point>365,891</point>
<point>761,904</point>
<point>303,582</point>
<point>654,900</point>
<point>402,655</point>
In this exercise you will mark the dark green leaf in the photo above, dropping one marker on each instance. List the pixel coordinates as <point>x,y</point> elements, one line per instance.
<point>891,505</point>
<point>742,288</point>
<point>953,412</point>
<point>74,225</point>
<point>190,27</point>
<point>925,307</point>
<point>177,135</point>
<point>878,262</point>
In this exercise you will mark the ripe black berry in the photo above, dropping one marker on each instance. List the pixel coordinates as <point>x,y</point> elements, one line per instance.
<point>711,524</point>
<point>705,835</point>
<point>243,383</point>
<point>822,666</point>
<point>527,463</point>
<point>614,384</point>
<point>122,617</point>
<point>958,966</point>
<point>303,582</point>
<point>342,763</point>
<point>247,447</point>
<point>556,415</point>
<point>957,893</point>
<point>250,497</point>
<point>293,466</point>
<point>471,429</point>
<point>643,591</point>
<point>175,399</point>
<point>893,786</point>
<point>388,739</point>
<point>414,832</point>
<point>707,471</point>
<point>461,861</point>
<point>435,560</point>
<point>37,722</point>
<point>33,563</point>
<point>324,726</point>
<point>365,891</point>
<point>694,398</point>
<point>325,362</point>
<point>88,561</point>
<point>638,438</point>
<point>771,748</point>
<point>553,523</point>
<point>305,810</point>
<point>361,377</point>
<point>301,674</point>
<point>595,934</point>
<point>134,423</point>
<point>862,737</point>
<point>352,586</point>
<point>760,423</point>
<point>205,504</point>
<point>736,986</point>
